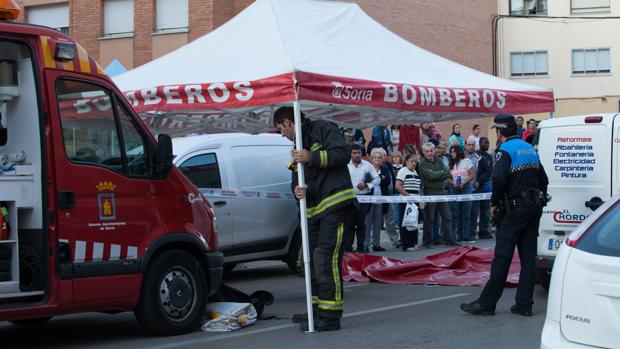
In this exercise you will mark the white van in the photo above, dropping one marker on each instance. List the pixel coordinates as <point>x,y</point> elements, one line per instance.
<point>580,156</point>
<point>245,177</point>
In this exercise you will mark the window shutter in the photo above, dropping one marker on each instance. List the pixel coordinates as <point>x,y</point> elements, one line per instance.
<point>541,63</point>
<point>579,64</point>
<point>117,16</point>
<point>172,14</point>
<point>516,64</point>
<point>53,16</point>
<point>604,61</point>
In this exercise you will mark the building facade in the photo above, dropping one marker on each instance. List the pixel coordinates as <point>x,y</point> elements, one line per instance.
<point>571,46</point>
<point>135,32</point>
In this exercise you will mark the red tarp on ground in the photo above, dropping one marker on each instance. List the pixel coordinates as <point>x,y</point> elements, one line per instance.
<point>461,266</point>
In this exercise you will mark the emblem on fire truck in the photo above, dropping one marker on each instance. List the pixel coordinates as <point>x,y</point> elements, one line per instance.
<point>107,204</point>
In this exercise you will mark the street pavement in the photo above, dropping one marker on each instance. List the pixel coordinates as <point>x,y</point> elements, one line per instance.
<point>376,315</point>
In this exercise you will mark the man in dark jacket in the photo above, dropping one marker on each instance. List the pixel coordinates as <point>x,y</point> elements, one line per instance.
<point>519,190</point>
<point>330,198</point>
<point>482,184</point>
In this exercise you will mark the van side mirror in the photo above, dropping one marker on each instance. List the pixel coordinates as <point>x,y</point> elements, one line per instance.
<point>163,163</point>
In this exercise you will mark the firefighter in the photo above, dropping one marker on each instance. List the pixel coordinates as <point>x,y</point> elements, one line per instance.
<point>519,194</point>
<point>330,198</point>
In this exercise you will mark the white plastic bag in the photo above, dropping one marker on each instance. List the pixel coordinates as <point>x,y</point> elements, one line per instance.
<point>410,219</point>
<point>229,316</point>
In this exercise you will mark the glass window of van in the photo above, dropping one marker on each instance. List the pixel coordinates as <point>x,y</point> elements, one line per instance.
<point>262,167</point>
<point>203,171</point>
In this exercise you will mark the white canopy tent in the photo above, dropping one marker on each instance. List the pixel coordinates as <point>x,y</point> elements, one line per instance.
<point>338,61</point>
<point>326,57</point>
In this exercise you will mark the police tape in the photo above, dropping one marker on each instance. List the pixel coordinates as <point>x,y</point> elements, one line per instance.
<point>365,199</point>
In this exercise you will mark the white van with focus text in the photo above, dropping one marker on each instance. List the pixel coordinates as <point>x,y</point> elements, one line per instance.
<point>246,179</point>
<point>580,156</point>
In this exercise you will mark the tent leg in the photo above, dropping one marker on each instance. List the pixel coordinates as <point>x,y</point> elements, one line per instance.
<point>303,218</point>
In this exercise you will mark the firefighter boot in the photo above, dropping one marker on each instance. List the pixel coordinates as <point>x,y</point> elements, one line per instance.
<point>299,318</point>
<point>322,324</point>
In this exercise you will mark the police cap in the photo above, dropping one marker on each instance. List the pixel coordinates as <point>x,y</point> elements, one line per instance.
<point>504,122</point>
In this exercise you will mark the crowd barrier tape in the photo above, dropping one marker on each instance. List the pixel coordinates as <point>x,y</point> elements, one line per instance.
<point>365,199</point>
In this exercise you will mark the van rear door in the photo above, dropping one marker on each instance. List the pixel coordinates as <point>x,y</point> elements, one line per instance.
<point>577,160</point>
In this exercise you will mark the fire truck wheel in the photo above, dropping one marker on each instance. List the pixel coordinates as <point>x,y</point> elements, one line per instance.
<point>32,322</point>
<point>174,294</point>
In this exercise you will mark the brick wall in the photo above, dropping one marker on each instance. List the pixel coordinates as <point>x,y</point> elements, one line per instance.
<point>144,22</point>
<point>200,18</point>
<point>86,24</point>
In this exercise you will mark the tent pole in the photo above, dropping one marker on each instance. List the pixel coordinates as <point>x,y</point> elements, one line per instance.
<point>303,217</point>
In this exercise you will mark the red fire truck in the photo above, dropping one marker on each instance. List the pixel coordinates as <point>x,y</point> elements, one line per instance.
<point>94,215</point>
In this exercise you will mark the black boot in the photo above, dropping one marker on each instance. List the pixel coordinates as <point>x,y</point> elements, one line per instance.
<point>299,318</point>
<point>322,324</point>
<point>521,310</point>
<point>476,308</point>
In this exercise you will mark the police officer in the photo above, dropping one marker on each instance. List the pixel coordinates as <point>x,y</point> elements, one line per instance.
<point>330,198</point>
<point>519,192</point>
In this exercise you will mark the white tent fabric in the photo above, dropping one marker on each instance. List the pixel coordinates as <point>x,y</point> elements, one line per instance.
<point>339,62</point>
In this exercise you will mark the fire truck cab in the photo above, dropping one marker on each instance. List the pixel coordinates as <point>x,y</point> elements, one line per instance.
<point>93,215</point>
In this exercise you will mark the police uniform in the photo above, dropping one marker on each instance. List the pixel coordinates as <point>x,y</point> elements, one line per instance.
<point>330,199</point>
<point>519,188</point>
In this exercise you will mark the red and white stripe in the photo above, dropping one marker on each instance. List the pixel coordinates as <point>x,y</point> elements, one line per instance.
<point>94,251</point>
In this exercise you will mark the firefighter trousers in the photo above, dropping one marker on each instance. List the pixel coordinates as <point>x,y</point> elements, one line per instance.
<point>326,236</point>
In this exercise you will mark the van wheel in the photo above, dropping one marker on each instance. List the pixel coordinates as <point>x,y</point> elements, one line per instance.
<point>174,294</point>
<point>543,278</point>
<point>32,322</point>
<point>294,257</point>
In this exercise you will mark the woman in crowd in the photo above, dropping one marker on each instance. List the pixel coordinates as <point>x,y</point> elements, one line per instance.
<point>462,170</point>
<point>394,137</point>
<point>408,183</point>
<point>455,137</point>
<point>374,217</point>
<point>394,208</point>
<point>430,131</point>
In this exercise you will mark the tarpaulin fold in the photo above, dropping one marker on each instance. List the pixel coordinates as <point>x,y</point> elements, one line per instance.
<point>461,266</point>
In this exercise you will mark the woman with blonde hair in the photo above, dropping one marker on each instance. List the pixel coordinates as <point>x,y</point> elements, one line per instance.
<point>374,217</point>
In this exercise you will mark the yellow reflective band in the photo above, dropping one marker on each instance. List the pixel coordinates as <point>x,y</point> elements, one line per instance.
<point>323,154</point>
<point>315,147</point>
<point>67,65</point>
<point>48,60</point>
<point>99,69</point>
<point>292,166</point>
<point>84,62</point>
<point>330,307</point>
<point>347,194</point>
<point>335,264</point>
<point>315,300</point>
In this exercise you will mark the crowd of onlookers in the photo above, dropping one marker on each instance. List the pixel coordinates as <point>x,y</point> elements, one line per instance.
<point>416,160</point>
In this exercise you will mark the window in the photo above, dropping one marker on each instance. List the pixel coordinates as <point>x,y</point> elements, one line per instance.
<point>203,171</point>
<point>528,63</point>
<point>528,7</point>
<point>591,61</point>
<point>602,238</point>
<point>172,14</point>
<point>134,146</point>
<point>117,17</point>
<point>270,161</point>
<point>583,6</point>
<point>54,16</point>
<point>91,133</point>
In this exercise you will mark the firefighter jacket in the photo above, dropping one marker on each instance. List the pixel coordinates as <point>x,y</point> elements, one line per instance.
<point>517,170</point>
<point>326,174</point>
